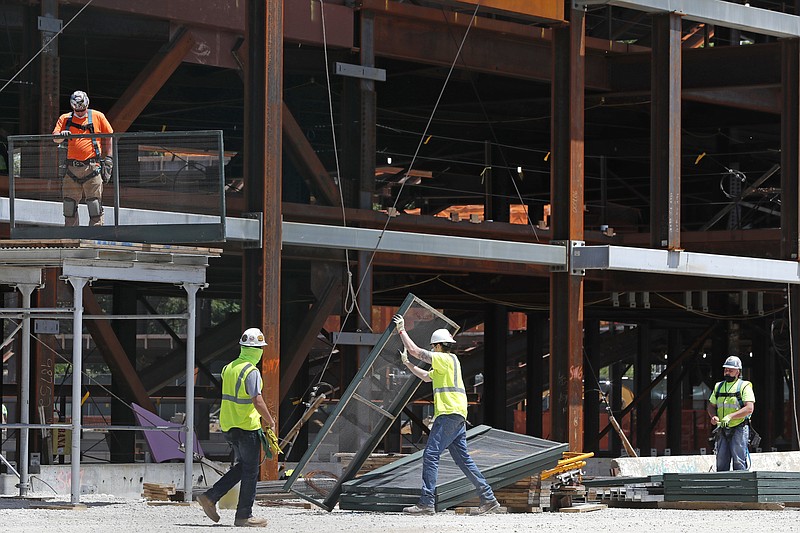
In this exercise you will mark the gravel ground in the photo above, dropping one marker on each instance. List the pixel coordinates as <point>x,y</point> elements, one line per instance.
<point>107,514</point>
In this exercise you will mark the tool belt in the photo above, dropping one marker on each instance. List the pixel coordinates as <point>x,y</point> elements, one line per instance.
<point>76,164</point>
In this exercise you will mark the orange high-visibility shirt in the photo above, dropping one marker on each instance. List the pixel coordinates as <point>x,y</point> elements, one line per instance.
<point>82,149</point>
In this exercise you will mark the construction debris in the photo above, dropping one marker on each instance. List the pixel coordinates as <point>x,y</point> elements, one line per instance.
<point>158,491</point>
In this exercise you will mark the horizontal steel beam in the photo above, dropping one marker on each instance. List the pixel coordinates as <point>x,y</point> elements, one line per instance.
<point>322,236</point>
<point>717,12</point>
<point>684,263</point>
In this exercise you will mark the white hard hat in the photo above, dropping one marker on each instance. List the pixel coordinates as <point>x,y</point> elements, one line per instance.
<point>732,362</point>
<point>79,101</point>
<point>252,337</point>
<point>442,336</point>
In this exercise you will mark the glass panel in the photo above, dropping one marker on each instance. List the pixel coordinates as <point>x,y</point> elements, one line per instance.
<point>366,410</point>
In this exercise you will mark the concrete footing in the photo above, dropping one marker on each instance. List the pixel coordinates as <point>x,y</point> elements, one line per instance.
<point>121,480</point>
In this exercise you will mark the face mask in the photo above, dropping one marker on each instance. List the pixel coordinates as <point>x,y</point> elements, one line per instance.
<point>730,379</point>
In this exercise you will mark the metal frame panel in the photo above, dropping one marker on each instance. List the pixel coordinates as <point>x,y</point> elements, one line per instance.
<point>728,14</point>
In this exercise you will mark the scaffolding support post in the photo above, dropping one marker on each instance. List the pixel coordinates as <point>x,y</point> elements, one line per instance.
<point>26,289</point>
<point>78,283</point>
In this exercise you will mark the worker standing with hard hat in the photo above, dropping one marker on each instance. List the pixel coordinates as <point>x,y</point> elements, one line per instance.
<point>89,161</point>
<point>450,418</point>
<point>240,417</point>
<point>730,406</point>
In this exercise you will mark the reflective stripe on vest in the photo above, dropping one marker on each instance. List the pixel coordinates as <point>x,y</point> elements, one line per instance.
<point>237,409</point>
<point>235,397</point>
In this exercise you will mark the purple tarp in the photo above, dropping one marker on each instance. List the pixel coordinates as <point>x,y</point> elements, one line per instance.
<point>164,445</point>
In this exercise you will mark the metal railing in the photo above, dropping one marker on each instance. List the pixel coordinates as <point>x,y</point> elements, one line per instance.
<point>164,187</point>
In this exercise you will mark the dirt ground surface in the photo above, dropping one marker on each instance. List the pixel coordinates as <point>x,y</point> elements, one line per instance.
<point>107,514</point>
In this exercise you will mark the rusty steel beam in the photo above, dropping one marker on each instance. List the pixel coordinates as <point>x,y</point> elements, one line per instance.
<point>149,81</point>
<point>305,159</point>
<point>665,133</point>
<point>790,148</point>
<point>566,186</point>
<point>307,331</point>
<point>541,10</point>
<point>113,353</point>
<point>262,172</point>
<point>302,19</point>
<point>763,99</point>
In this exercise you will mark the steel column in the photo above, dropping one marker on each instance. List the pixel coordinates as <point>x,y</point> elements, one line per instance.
<point>263,174</point>
<point>642,371</point>
<point>537,324</point>
<point>78,284</point>
<point>591,398</point>
<point>122,443</point>
<point>665,133</point>
<point>566,185</point>
<point>790,147</point>
<point>675,395</point>
<point>367,105</point>
<point>495,356</point>
<point>25,388</point>
<point>49,72</point>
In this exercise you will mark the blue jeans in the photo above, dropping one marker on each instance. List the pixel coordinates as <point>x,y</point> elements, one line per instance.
<point>449,431</point>
<point>732,445</point>
<point>247,453</point>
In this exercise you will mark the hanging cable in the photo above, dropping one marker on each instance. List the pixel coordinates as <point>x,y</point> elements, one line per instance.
<point>791,362</point>
<point>44,47</point>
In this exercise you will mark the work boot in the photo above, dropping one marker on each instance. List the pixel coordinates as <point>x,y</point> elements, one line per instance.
<point>488,506</point>
<point>209,507</point>
<point>250,522</point>
<point>420,509</point>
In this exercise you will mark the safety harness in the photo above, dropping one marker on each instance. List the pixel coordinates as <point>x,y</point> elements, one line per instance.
<point>738,393</point>
<point>88,127</point>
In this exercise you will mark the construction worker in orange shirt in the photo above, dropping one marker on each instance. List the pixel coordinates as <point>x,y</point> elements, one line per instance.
<point>89,160</point>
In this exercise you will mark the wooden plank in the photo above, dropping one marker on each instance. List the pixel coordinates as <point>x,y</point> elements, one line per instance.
<point>583,508</point>
<point>722,506</point>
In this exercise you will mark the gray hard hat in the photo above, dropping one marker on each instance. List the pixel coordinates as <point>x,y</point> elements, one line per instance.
<point>732,362</point>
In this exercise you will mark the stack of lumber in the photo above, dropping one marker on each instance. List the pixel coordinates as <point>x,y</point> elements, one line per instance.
<point>737,486</point>
<point>375,460</point>
<point>524,496</point>
<point>158,491</point>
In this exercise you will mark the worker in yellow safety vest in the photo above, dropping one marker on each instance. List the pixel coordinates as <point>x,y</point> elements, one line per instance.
<point>242,411</point>
<point>450,417</point>
<point>730,406</point>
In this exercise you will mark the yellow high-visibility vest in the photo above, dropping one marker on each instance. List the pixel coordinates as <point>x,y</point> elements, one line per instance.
<point>449,394</point>
<point>237,410</point>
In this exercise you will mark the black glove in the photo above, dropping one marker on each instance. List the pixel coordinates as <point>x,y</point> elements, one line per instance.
<point>107,168</point>
<point>65,133</point>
